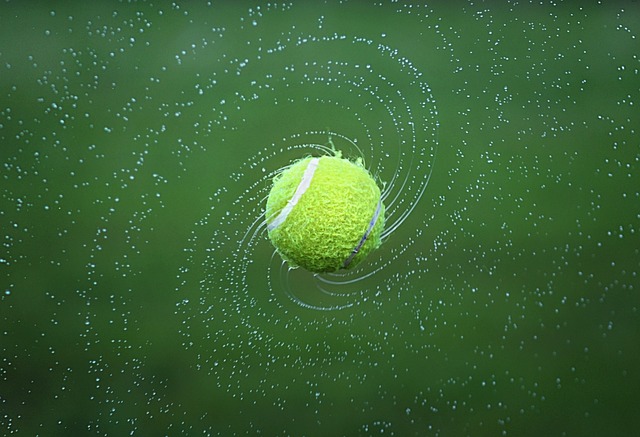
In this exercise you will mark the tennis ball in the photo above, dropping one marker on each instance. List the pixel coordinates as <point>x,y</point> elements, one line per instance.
<point>324,214</point>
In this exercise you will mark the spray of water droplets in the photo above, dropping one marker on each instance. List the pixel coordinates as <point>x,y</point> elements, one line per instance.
<point>390,123</point>
<point>141,294</point>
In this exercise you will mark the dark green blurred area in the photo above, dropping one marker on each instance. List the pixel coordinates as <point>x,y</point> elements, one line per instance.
<point>511,306</point>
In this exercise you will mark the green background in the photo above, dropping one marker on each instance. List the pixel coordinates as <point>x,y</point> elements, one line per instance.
<point>139,291</point>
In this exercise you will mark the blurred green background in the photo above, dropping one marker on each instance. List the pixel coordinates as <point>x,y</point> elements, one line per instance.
<point>139,292</point>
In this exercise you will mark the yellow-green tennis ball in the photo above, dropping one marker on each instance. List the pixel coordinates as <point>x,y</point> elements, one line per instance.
<point>325,214</point>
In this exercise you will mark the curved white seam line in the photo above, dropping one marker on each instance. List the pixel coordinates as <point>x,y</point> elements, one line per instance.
<point>372,223</point>
<point>302,187</point>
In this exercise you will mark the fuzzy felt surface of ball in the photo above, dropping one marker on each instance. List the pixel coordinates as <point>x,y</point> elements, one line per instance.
<point>325,214</point>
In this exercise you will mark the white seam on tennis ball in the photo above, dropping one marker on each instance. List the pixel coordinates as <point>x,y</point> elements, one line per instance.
<point>302,187</point>
<point>372,223</point>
